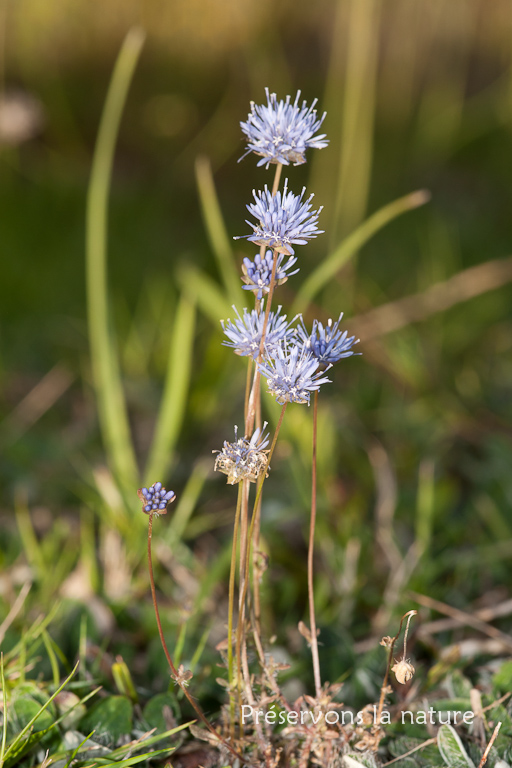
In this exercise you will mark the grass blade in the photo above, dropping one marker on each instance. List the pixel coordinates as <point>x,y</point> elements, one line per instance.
<point>4,702</point>
<point>107,379</point>
<point>352,244</point>
<point>216,230</point>
<point>201,288</point>
<point>187,502</point>
<point>358,117</point>
<point>176,386</point>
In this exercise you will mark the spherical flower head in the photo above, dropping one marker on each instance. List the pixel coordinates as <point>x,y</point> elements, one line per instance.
<point>245,332</point>
<point>328,344</point>
<point>244,459</point>
<point>292,373</point>
<point>257,273</point>
<point>155,499</point>
<point>284,220</point>
<point>280,132</point>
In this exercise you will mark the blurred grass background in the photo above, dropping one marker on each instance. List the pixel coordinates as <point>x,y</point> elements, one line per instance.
<point>415,486</point>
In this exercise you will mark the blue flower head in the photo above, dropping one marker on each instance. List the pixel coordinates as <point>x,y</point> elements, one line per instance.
<point>155,499</point>
<point>283,219</point>
<point>328,344</point>
<point>280,132</point>
<point>257,273</point>
<point>292,374</point>
<point>245,332</point>
<point>244,459</point>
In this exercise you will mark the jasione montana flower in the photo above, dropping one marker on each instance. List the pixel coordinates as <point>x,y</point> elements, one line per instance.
<point>328,344</point>
<point>292,373</point>
<point>155,498</point>
<point>244,459</point>
<point>280,132</point>
<point>257,273</point>
<point>244,333</point>
<point>284,220</point>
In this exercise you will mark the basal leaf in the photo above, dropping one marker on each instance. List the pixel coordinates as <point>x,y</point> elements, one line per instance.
<point>451,749</point>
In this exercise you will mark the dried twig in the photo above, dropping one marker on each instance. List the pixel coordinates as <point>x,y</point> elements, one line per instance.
<point>466,619</point>
<point>488,748</point>
<point>461,287</point>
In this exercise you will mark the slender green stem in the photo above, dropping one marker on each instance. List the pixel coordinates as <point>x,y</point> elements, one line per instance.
<point>252,408</point>
<point>106,375</point>
<point>231,609</point>
<point>175,673</point>
<point>311,547</point>
<point>251,535</point>
<point>247,388</point>
<point>277,178</point>
<point>255,394</point>
<point>256,582</point>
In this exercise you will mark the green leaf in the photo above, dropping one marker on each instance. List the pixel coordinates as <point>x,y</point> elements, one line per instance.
<point>105,365</point>
<point>460,686</point>
<point>451,749</point>
<point>502,680</point>
<point>109,719</point>
<point>425,756</point>
<point>24,709</point>
<point>14,746</point>
<point>154,712</point>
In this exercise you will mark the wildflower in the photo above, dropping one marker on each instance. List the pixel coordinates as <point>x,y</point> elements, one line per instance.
<point>257,273</point>
<point>284,218</point>
<point>292,374</point>
<point>245,332</point>
<point>281,132</point>
<point>155,499</point>
<point>244,459</point>
<point>328,344</point>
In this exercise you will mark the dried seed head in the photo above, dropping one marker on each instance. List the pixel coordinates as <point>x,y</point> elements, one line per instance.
<point>244,459</point>
<point>404,671</point>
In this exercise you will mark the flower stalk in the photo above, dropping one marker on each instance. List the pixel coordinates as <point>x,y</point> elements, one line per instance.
<point>311,547</point>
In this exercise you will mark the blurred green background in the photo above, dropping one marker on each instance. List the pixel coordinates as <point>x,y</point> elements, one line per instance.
<point>415,450</point>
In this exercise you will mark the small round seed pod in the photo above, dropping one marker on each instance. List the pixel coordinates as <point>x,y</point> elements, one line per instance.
<point>404,671</point>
